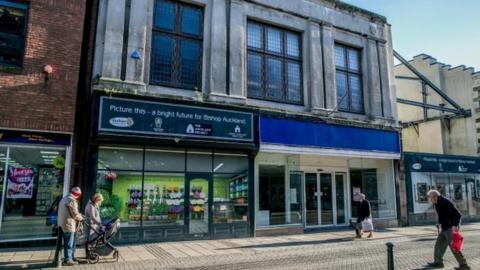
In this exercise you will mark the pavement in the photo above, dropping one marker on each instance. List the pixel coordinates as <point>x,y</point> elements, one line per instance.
<point>328,249</point>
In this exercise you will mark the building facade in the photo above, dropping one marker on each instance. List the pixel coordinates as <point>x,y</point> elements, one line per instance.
<point>441,148</point>
<point>40,44</point>
<point>241,118</point>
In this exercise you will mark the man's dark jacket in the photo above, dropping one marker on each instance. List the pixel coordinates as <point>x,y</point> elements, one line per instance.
<point>448,214</point>
<point>363,211</point>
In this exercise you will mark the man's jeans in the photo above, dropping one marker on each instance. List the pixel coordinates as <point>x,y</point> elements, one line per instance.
<point>68,246</point>
<point>443,241</point>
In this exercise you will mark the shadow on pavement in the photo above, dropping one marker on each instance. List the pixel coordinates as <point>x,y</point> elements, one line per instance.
<point>25,265</point>
<point>295,243</point>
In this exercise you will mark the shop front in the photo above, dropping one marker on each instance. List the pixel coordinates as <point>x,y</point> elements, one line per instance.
<point>456,177</point>
<point>34,173</point>
<point>307,174</point>
<point>172,171</point>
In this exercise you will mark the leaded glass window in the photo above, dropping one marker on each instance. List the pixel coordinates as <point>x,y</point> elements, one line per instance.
<point>348,79</point>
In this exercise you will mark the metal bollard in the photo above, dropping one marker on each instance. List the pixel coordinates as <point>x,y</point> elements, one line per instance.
<point>57,259</point>
<point>391,263</point>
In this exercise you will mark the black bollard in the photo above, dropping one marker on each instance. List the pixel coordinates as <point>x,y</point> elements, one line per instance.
<point>57,259</point>
<point>391,264</point>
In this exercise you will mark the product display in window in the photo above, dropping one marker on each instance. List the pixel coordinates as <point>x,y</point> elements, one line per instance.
<point>422,190</point>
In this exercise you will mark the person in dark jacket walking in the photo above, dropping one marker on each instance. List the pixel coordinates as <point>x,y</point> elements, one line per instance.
<point>448,221</point>
<point>363,212</point>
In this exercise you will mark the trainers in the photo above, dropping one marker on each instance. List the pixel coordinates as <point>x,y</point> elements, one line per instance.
<point>436,265</point>
<point>70,263</point>
<point>463,267</point>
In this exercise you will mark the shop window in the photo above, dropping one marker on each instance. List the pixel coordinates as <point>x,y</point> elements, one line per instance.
<point>120,158</point>
<point>230,189</point>
<point>122,193</point>
<point>177,45</point>
<point>271,195</point>
<point>295,198</point>
<point>3,161</point>
<point>199,161</point>
<point>348,79</point>
<point>34,184</point>
<point>274,64</point>
<point>376,181</point>
<point>13,28</point>
<point>421,194</point>
<point>162,160</point>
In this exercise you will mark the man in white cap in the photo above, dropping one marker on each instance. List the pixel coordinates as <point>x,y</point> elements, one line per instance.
<point>68,219</point>
<point>448,220</point>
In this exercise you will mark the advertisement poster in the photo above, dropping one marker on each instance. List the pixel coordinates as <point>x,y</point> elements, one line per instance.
<point>20,183</point>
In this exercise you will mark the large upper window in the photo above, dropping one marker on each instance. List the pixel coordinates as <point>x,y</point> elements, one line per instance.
<point>348,79</point>
<point>274,64</point>
<point>13,25</point>
<point>177,45</point>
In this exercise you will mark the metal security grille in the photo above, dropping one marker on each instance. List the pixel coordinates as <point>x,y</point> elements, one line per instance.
<point>348,79</point>
<point>177,39</point>
<point>274,64</point>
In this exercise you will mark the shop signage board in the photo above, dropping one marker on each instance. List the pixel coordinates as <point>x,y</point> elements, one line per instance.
<point>441,163</point>
<point>17,136</point>
<point>20,183</point>
<point>121,115</point>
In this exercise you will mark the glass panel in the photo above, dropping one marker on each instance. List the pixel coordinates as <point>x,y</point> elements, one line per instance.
<point>272,195</point>
<point>340,198</point>
<point>164,15</point>
<point>340,57</point>
<point>34,185</point>
<point>293,82</point>
<point>459,197</point>
<point>164,160</point>
<point>255,75</point>
<point>326,199</point>
<point>274,79</point>
<point>3,161</point>
<point>12,27</point>
<point>254,33</point>
<point>356,93</point>
<point>199,161</point>
<point>295,198</point>
<point>342,93</point>
<point>274,40</point>
<point>190,63</point>
<point>191,20</point>
<point>293,44</point>
<point>311,193</point>
<point>162,58</point>
<point>110,158</point>
<point>163,199</point>
<point>198,206</point>
<point>353,59</point>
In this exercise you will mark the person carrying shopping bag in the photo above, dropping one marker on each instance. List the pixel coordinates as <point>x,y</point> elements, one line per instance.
<point>364,216</point>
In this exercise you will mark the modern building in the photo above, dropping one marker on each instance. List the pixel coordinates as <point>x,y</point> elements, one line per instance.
<point>439,137</point>
<point>234,118</point>
<point>40,45</point>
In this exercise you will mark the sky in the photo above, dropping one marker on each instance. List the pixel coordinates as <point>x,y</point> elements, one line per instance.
<point>448,30</point>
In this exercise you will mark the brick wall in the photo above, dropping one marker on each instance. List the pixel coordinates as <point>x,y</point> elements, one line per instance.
<point>54,37</point>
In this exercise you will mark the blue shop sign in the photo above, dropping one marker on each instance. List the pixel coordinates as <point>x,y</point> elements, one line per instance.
<point>121,115</point>
<point>419,162</point>
<point>17,136</point>
<point>309,134</point>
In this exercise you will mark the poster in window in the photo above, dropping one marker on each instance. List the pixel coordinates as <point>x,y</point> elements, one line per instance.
<point>458,192</point>
<point>422,190</point>
<point>20,183</point>
<point>442,189</point>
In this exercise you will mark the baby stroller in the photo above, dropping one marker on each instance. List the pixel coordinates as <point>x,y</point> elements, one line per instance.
<point>98,241</point>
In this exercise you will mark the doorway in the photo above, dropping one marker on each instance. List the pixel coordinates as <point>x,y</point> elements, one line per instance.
<point>198,195</point>
<point>325,199</point>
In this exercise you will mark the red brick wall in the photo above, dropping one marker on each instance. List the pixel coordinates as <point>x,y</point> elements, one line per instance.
<point>54,37</point>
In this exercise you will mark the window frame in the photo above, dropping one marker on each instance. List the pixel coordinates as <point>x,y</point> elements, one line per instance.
<point>348,73</point>
<point>264,54</point>
<point>14,3</point>
<point>177,35</point>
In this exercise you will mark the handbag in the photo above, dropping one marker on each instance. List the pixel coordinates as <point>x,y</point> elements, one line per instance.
<point>367,225</point>
<point>457,241</point>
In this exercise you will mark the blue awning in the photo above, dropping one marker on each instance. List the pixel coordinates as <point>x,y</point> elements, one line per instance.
<point>320,135</point>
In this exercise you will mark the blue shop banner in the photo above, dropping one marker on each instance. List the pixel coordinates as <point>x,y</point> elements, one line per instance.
<point>121,115</point>
<point>419,162</point>
<point>310,134</point>
<point>18,136</point>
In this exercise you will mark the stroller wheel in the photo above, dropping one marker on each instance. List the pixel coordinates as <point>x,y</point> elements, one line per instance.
<point>93,258</point>
<point>116,255</point>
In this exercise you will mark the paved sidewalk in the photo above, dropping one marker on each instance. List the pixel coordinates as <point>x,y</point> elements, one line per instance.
<point>332,249</point>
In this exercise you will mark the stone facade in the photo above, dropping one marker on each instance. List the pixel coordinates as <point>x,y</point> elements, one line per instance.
<point>224,75</point>
<point>54,37</point>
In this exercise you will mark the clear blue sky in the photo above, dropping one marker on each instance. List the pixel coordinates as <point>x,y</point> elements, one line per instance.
<point>448,30</point>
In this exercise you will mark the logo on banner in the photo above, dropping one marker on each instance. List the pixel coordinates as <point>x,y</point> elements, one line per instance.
<point>237,133</point>
<point>121,122</point>
<point>190,129</point>
<point>158,124</point>
<point>462,169</point>
<point>20,183</point>
<point>417,166</point>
